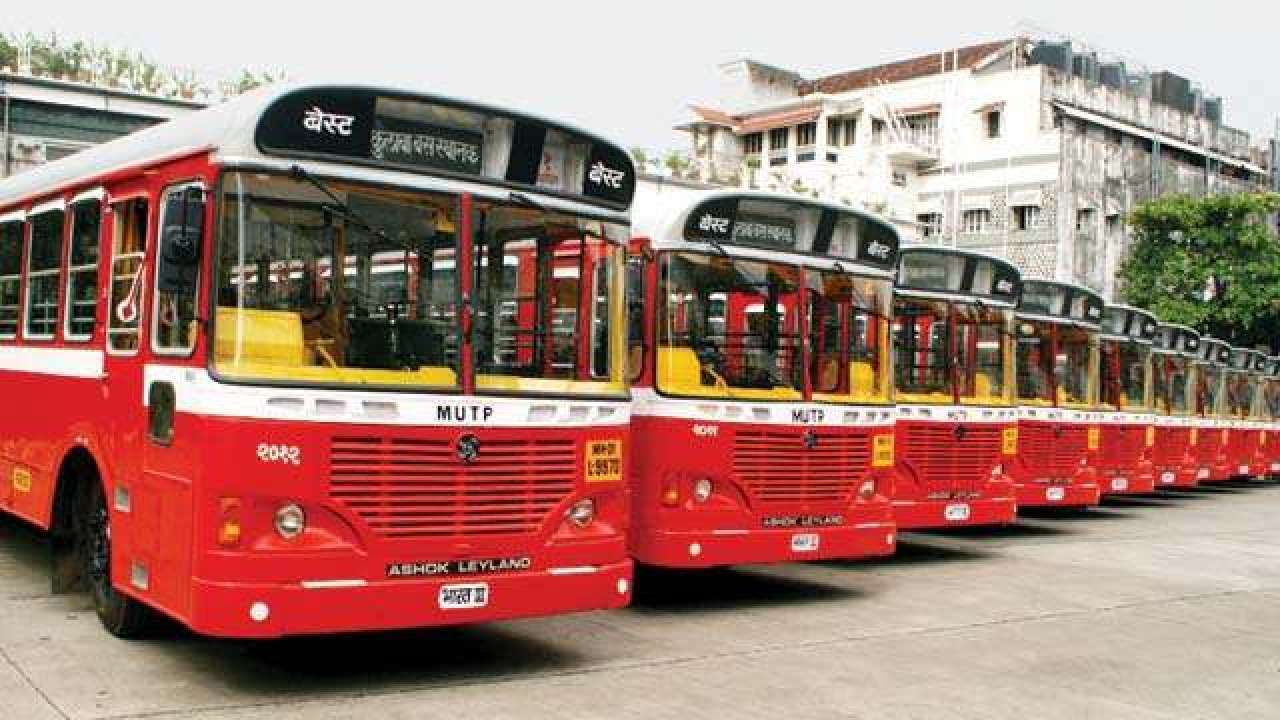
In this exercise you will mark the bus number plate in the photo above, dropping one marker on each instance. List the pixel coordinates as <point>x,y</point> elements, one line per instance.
<point>804,542</point>
<point>604,461</point>
<point>1275,467</point>
<point>1055,494</point>
<point>1201,474</point>
<point>1166,478</point>
<point>1119,484</point>
<point>459,597</point>
<point>956,512</point>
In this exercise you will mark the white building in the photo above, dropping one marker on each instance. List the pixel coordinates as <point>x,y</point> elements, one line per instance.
<point>1023,149</point>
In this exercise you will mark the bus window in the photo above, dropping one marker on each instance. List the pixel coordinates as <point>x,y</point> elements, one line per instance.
<point>179,249</point>
<point>727,328</point>
<point>44,262</point>
<point>82,273</point>
<point>10,278</point>
<point>922,350</point>
<point>357,288</point>
<point>846,326</point>
<point>542,289</point>
<point>1124,375</point>
<point>128,248</point>
<point>1035,367</point>
<point>1072,366</point>
<point>981,343</point>
<point>635,316</point>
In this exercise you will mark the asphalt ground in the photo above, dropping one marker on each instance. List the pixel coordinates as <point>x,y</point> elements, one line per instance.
<point>1158,607</point>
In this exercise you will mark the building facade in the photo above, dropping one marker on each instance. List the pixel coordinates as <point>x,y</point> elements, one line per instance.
<point>43,119</point>
<point>1017,148</point>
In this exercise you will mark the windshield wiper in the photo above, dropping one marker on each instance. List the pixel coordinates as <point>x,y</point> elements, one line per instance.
<point>297,172</point>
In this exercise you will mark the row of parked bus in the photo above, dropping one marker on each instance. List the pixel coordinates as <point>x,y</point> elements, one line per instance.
<point>347,358</point>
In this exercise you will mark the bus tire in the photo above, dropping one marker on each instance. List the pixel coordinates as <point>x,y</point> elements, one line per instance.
<point>120,614</point>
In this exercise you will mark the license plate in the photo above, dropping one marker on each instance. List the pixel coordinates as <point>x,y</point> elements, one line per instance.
<point>1202,473</point>
<point>1275,467</point>
<point>804,542</point>
<point>1119,484</point>
<point>458,597</point>
<point>1244,469</point>
<point>1167,478</point>
<point>956,512</point>
<point>1055,494</point>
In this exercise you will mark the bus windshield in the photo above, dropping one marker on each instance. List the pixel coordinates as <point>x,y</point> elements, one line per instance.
<point>1035,362</point>
<point>1073,367</point>
<point>351,285</point>
<point>728,327</point>
<point>1124,375</point>
<point>848,326</point>
<point>1170,376</point>
<point>1239,394</point>
<point>1272,399</point>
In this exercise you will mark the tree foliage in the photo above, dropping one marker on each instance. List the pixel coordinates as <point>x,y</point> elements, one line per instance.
<point>1212,263</point>
<point>95,64</point>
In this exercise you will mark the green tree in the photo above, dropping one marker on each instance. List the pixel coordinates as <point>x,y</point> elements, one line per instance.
<point>1209,262</point>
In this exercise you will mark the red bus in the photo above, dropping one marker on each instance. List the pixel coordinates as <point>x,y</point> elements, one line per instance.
<point>1173,381</point>
<point>762,421</point>
<point>1128,429</point>
<point>1244,386</point>
<point>1210,433</point>
<point>241,437</point>
<point>1057,390</point>
<point>957,427</point>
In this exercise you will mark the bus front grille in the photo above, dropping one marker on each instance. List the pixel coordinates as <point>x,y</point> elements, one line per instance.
<point>1122,446</point>
<point>408,487</point>
<point>947,460</point>
<point>778,467</point>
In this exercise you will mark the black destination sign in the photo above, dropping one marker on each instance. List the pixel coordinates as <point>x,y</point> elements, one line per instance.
<point>960,273</point>
<point>406,142</point>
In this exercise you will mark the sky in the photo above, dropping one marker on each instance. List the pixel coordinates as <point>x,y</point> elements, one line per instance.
<point>628,69</point>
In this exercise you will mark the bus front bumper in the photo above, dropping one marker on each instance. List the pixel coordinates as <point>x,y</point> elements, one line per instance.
<point>243,610</point>
<point>716,548</point>
<point>1076,494</point>
<point>1128,483</point>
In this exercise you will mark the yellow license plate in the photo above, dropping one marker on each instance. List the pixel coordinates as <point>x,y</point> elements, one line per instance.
<point>1095,438</point>
<point>604,461</point>
<point>1151,436</point>
<point>1009,441</point>
<point>22,480</point>
<point>882,451</point>
<point>1195,435</point>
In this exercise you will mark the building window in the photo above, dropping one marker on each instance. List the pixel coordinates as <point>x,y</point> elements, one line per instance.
<point>877,131</point>
<point>850,131</point>
<point>44,267</point>
<point>1026,217</point>
<point>1113,225</point>
<point>834,126</point>
<point>976,221</point>
<point>930,224</point>
<point>10,278</point>
<point>993,124</point>
<point>1084,220</point>
<point>82,273</point>
<point>778,141</point>
<point>922,129</point>
<point>899,178</point>
<point>806,134</point>
<point>753,144</point>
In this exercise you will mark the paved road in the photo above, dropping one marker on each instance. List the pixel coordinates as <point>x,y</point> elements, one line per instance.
<point>1149,608</point>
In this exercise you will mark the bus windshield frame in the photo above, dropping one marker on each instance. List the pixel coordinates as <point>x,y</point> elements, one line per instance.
<point>381,327</point>
<point>1124,375</point>
<point>1171,375</point>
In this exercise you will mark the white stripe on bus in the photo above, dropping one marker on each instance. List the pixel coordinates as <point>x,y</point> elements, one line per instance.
<point>56,361</point>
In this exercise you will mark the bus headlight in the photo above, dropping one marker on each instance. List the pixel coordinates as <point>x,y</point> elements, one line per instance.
<point>290,521</point>
<point>582,512</point>
<point>702,490</point>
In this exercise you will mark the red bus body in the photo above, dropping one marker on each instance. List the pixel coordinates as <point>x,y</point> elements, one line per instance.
<point>1269,450</point>
<point>1210,435</point>
<point>1245,407</point>
<point>1058,434</point>
<point>1127,424</point>
<point>954,438</point>
<point>418,508</point>
<point>1173,372</point>
<point>724,474</point>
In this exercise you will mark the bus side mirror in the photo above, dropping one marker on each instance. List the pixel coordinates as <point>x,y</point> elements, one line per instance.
<point>180,241</point>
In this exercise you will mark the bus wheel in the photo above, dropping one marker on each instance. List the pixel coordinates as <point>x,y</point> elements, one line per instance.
<point>120,614</point>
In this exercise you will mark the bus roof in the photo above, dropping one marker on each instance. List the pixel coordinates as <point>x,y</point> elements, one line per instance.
<point>1130,323</point>
<point>373,127</point>
<point>1060,302</point>
<point>1176,338</point>
<point>1248,359</point>
<point>773,222</point>
<point>1214,351</point>
<point>935,271</point>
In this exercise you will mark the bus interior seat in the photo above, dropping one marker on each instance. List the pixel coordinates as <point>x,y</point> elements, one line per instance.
<point>267,337</point>
<point>862,379</point>
<point>982,386</point>
<point>679,367</point>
